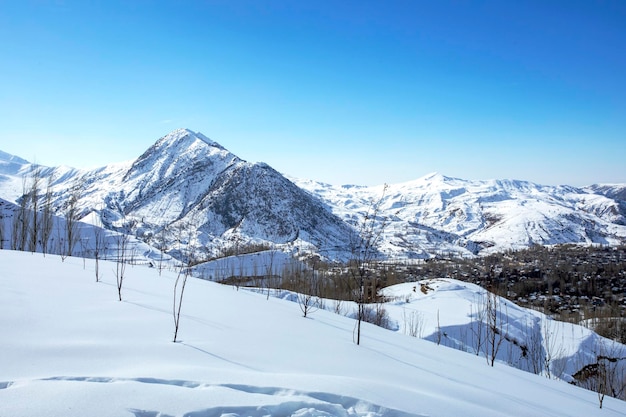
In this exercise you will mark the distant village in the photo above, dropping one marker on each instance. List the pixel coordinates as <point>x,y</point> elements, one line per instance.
<point>585,285</point>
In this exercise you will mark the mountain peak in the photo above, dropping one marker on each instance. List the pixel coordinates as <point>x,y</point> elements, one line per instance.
<point>181,142</point>
<point>184,134</point>
<point>176,153</point>
<point>435,178</point>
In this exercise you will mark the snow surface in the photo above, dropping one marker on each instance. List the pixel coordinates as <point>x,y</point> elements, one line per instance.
<point>69,348</point>
<point>448,310</point>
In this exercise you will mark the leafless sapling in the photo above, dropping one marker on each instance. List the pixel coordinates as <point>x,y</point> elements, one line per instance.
<point>533,348</point>
<point>162,246</point>
<point>363,250</point>
<point>478,324</point>
<point>21,219</point>
<point>32,200</point>
<point>187,260</point>
<point>121,246</point>
<point>72,232</point>
<point>98,247</point>
<point>179,292</point>
<point>47,218</point>
<point>413,323</point>
<point>494,328</point>
<point>308,290</point>
<point>269,273</point>
<point>552,347</point>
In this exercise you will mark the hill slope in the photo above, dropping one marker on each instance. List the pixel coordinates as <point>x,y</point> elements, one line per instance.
<point>69,348</point>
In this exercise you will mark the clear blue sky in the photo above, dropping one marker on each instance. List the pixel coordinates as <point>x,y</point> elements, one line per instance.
<point>362,92</point>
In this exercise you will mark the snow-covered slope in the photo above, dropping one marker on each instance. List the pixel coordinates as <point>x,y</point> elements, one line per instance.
<point>436,214</point>
<point>455,314</point>
<point>614,191</point>
<point>70,348</point>
<point>93,241</point>
<point>10,164</point>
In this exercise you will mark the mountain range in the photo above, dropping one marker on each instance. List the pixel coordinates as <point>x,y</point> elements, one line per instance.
<point>189,194</point>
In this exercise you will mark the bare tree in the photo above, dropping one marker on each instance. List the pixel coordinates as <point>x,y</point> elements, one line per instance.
<point>478,324</point>
<point>363,249</point>
<point>607,375</point>
<point>98,247</point>
<point>72,233</point>
<point>533,349</point>
<point>308,290</point>
<point>231,269</point>
<point>614,370</point>
<point>20,228</point>
<point>269,275</point>
<point>121,242</point>
<point>494,328</point>
<point>14,231</point>
<point>32,200</point>
<point>338,306</point>
<point>183,272</point>
<point>377,314</point>
<point>552,348</point>
<point>46,216</point>
<point>438,329</point>
<point>188,259</point>
<point>413,323</point>
<point>162,246</point>
<point>83,251</point>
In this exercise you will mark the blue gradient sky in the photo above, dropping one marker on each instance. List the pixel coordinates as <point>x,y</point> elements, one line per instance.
<point>362,92</point>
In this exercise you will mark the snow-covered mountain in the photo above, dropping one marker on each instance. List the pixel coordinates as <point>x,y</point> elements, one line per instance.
<point>187,191</point>
<point>436,214</point>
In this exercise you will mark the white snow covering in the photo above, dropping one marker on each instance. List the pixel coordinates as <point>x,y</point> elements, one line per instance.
<point>69,348</point>
<point>436,214</point>
<point>448,311</point>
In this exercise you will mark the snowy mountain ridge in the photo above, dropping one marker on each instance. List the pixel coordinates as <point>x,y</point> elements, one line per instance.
<point>436,214</point>
<point>186,181</point>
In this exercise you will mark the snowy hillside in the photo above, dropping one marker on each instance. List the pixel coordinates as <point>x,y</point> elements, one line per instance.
<point>456,314</point>
<point>92,240</point>
<point>436,214</point>
<point>70,348</point>
<point>614,191</point>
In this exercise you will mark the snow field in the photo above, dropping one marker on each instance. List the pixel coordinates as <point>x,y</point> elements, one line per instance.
<point>70,348</point>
